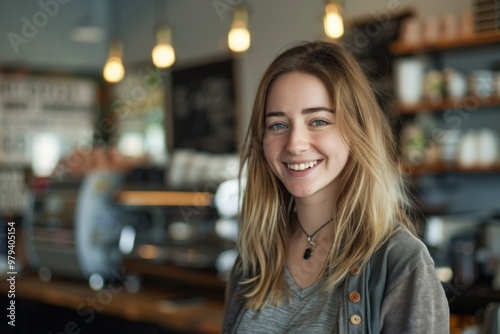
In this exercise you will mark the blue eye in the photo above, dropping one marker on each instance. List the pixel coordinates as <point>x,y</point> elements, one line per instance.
<point>319,122</point>
<point>277,126</point>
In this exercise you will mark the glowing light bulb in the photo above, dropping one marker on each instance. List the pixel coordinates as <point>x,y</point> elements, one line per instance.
<point>113,70</point>
<point>238,38</point>
<point>333,22</point>
<point>163,53</point>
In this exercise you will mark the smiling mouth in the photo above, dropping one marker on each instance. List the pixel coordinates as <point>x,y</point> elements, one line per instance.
<point>302,166</point>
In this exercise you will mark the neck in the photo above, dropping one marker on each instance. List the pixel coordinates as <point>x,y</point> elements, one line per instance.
<point>313,215</point>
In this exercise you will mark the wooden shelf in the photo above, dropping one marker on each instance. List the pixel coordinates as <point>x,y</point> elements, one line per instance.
<point>163,198</point>
<point>442,168</point>
<point>400,48</point>
<point>468,103</point>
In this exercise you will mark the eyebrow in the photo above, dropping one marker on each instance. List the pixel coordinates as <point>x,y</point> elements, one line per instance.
<point>304,111</point>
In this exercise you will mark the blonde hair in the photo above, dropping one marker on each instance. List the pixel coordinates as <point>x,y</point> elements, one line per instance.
<point>371,201</point>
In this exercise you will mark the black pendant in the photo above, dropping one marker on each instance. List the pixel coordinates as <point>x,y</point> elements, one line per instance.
<point>308,254</point>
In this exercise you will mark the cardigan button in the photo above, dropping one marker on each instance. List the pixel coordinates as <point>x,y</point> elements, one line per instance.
<point>355,271</point>
<point>354,297</point>
<point>355,319</point>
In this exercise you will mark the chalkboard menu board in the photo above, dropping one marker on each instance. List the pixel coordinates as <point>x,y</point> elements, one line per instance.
<point>203,108</point>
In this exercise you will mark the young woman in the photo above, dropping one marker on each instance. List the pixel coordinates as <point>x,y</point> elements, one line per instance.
<point>325,243</point>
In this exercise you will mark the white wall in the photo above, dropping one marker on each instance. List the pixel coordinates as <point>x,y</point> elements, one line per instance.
<point>48,46</point>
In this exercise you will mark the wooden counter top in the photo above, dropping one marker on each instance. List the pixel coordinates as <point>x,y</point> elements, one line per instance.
<point>160,306</point>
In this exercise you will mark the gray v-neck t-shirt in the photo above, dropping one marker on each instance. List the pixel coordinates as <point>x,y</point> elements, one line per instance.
<point>311,310</point>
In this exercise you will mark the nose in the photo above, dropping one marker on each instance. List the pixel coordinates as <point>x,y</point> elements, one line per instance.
<point>298,140</point>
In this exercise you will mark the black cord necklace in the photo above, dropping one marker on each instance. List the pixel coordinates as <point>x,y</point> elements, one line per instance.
<point>310,250</point>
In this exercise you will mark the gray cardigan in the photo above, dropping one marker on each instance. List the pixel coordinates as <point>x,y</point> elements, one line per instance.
<point>397,293</point>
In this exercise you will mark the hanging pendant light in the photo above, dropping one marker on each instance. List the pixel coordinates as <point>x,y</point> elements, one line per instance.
<point>163,53</point>
<point>113,69</point>
<point>333,22</point>
<point>239,36</point>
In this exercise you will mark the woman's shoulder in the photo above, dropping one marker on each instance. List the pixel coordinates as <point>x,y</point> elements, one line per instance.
<point>400,254</point>
<point>404,242</point>
<point>404,246</point>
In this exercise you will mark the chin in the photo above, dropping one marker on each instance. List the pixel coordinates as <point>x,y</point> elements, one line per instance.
<point>300,193</point>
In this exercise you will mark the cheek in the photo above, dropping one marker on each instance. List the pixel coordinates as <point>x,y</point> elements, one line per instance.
<point>339,148</point>
<point>270,148</point>
<point>344,153</point>
<point>271,154</point>
<point>266,150</point>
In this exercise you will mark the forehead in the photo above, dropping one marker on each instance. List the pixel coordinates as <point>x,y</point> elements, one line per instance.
<point>297,90</point>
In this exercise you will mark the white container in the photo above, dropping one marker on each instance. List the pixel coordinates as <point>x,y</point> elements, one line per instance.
<point>488,147</point>
<point>455,83</point>
<point>468,150</point>
<point>409,79</point>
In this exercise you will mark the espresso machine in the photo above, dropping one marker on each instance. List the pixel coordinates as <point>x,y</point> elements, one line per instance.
<point>72,228</point>
<point>103,223</point>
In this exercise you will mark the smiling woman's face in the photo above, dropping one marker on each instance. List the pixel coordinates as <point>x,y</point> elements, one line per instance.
<point>302,142</point>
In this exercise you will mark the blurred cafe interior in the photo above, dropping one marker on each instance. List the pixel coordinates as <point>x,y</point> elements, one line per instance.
<point>120,126</point>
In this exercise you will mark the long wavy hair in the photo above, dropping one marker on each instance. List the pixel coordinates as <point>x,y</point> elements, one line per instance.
<point>372,199</point>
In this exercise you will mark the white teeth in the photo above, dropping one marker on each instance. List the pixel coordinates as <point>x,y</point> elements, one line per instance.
<point>303,166</point>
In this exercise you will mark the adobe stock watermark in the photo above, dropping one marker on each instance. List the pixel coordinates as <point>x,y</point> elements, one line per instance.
<point>225,6</point>
<point>87,310</point>
<point>31,27</point>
